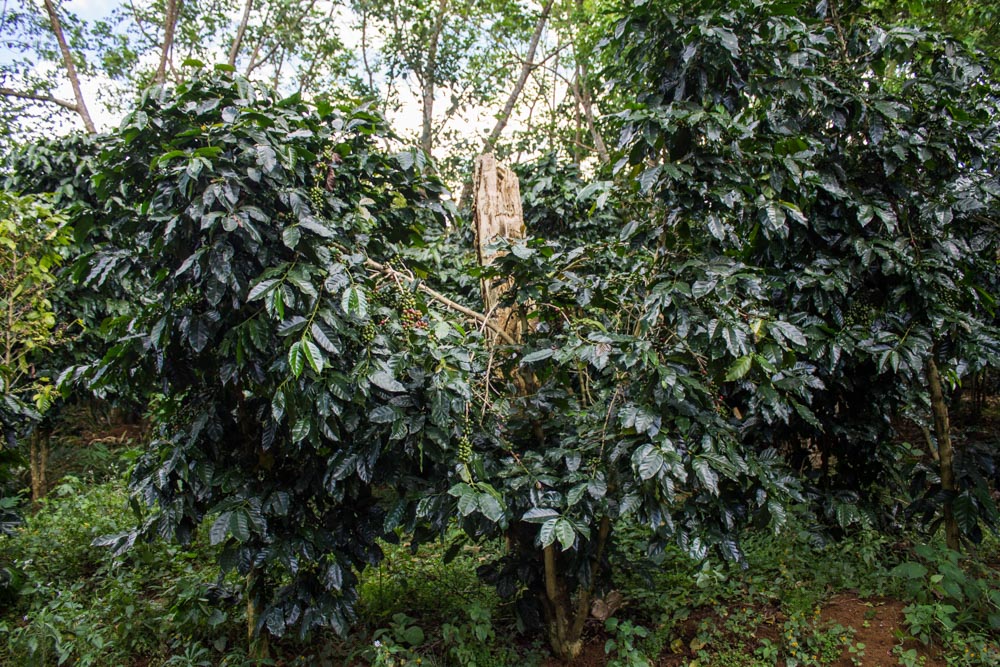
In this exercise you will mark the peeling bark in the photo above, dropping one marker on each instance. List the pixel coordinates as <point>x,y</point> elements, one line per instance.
<point>497,213</point>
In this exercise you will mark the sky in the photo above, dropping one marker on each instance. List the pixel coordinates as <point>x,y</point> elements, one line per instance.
<point>91,9</point>
<point>88,10</point>
<point>405,120</point>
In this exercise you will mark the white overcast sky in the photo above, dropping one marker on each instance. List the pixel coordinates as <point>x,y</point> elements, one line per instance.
<point>406,120</point>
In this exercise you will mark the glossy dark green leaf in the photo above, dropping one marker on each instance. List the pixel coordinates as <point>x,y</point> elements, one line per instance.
<point>261,288</point>
<point>706,475</point>
<point>739,368</point>
<point>384,380</point>
<point>354,302</point>
<point>565,533</point>
<point>313,355</point>
<point>648,461</point>
<point>220,528</point>
<point>296,359</point>
<point>538,355</point>
<point>490,507</point>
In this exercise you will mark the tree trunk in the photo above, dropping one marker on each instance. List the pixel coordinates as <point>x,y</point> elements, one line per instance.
<point>364,50</point>
<point>582,94</point>
<point>428,80</point>
<point>258,645</point>
<point>74,80</point>
<point>942,430</point>
<point>38,463</point>
<point>169,26</point>
<point>566,611</point>
<point>557,606</point>
<point>234,52</point>
<point>497,212</point>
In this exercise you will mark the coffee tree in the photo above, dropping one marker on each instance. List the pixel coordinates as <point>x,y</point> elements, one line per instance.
<point>309,399</point>
<point>854,168</point>
<point>32,236</point>
<point>798,234</point>
<point>306,396</point>
<point>804,232</point>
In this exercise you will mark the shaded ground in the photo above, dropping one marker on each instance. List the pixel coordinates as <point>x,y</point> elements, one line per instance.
<point>876,624</point>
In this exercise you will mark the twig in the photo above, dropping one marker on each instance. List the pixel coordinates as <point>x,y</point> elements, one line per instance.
<point>442,299</point>
<point>38,97</point>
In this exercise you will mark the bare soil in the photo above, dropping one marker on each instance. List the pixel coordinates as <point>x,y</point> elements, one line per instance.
<point>877,624</point>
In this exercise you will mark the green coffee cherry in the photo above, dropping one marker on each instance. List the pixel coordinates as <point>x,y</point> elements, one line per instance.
<point>465,443</point>
<point>317,196</point>
<point>368,333</point>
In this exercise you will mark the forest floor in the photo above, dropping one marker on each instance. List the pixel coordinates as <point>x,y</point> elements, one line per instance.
<point>803,599</point>
<point>878,625</point>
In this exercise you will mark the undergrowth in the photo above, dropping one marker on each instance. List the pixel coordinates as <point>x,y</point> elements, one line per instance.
<point>66,602</point>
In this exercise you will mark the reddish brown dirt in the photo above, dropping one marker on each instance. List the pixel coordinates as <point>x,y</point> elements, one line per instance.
<point>876,623</point>
<point>593,649</point>
<point>593,656</point>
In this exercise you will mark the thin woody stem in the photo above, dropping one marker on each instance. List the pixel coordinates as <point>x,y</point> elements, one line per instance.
<point>442,299</point>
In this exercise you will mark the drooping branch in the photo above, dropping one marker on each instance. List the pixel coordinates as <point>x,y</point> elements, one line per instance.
<point>74,79</point>
<point>39,97</point>
<point>442,299</point>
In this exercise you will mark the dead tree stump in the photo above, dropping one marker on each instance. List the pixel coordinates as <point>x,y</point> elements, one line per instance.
<point>496,214</point>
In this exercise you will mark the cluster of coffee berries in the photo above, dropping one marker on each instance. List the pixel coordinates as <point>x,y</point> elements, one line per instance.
<point>413,318</point>
<point>185,299</point>
<point>317,196</point>
<point>950,298</point>
<point>323,164</point>
<point>406,304</point>
<point>465,443</point>
<point>860,313</point>
<point>368,333</point>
